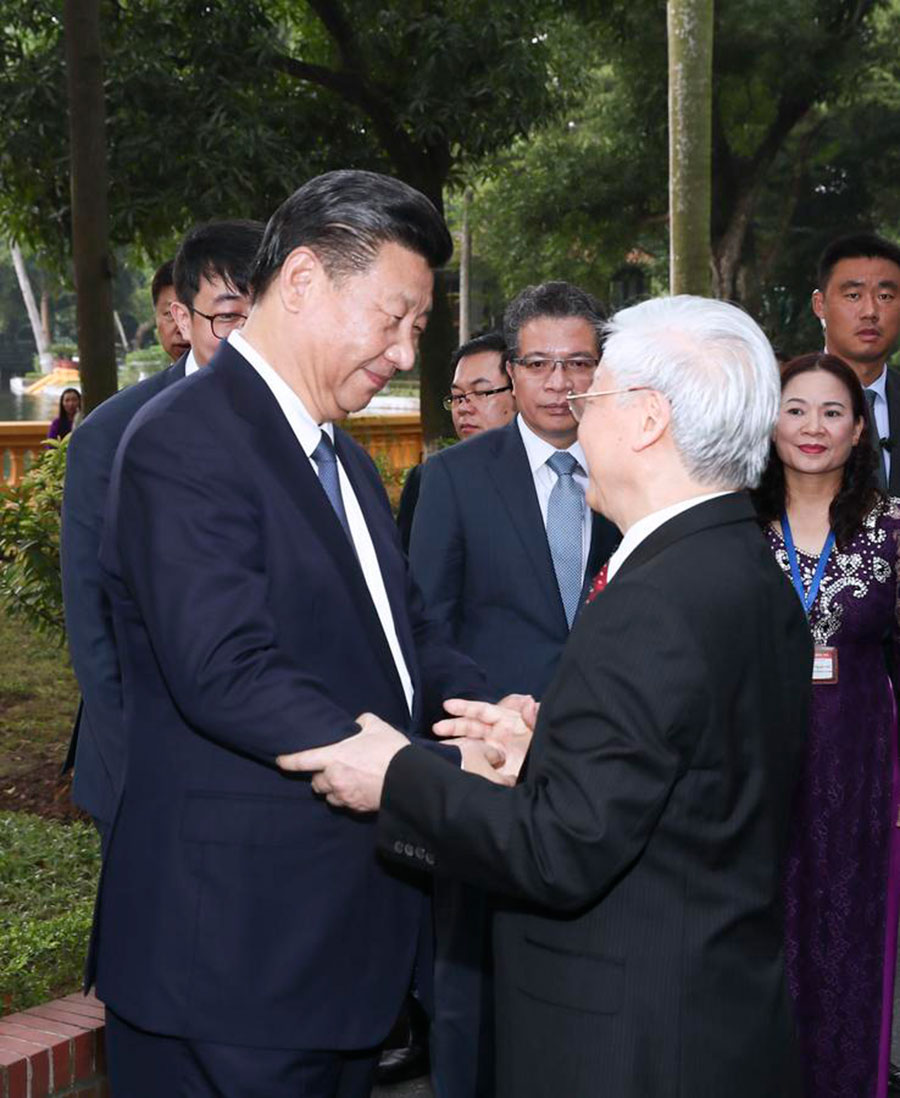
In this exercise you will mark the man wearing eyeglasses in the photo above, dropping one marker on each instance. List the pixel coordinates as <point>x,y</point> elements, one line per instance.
<point>480,399</point>
<point>503,546</point>
<point>637,862</point>
<point>212,272</point>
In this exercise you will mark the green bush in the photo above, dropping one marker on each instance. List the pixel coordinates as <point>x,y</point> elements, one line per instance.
<point>48,877</point>
<point>30,584</point>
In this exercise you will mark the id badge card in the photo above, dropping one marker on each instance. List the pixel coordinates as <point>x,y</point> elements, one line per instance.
<point>825,665</point>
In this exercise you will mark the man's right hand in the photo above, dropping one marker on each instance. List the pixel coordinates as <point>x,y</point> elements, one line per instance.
<point>507,726</point>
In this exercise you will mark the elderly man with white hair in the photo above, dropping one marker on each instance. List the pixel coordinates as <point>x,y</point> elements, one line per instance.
<point>637,861</point>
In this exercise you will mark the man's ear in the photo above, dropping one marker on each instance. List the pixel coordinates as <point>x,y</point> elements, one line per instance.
<point>653,422</point>
<point>181,314</point>
<point>818,304</point>
<point>299,273</point>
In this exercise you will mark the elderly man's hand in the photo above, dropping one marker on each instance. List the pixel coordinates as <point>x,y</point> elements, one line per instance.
<point>507,726</point>
<point>350,773</point>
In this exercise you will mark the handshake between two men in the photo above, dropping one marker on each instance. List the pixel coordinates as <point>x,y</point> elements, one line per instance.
<point>492,739</point>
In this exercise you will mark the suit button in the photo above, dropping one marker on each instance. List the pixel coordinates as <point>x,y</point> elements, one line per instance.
<point>420,852</point>
<point>409,850</point>
<point>398,847</point>
<point>429,859</point>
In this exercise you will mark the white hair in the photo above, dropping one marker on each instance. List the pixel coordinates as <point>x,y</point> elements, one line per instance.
<point>716,368</point>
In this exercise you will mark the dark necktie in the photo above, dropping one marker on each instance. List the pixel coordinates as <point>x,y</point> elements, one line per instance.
<point>326,461</point>
<point>876,441</point>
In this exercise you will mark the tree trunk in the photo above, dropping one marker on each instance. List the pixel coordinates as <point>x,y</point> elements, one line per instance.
<point>690,27</point>
<point>465,262</point>
<point>435,350</point>
<point>45,316</point>
<point>34,317</point>
<point>90,215</point>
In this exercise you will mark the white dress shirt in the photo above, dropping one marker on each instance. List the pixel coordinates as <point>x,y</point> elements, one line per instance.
<point>882,419</point>
<point>538,451</point>
<point>644,527</point>
<point>308,434</point>
<point>191,364</point>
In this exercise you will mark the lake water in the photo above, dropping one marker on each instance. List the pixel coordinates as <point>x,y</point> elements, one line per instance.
<point>14,407</point>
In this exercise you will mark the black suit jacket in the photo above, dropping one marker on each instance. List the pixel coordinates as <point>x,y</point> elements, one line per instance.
<point>892,389</point>
<point>639,950</point>
<point>234,906</point>
<point>97,745</point>
<point>480,555</point>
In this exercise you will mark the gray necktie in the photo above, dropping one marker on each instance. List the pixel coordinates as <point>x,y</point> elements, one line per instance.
<point>876,444</point>
<point>326,460</point>
<point>565,513</point>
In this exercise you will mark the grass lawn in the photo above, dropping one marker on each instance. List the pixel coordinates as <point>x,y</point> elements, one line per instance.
<point>38,700</point>
<point>48,868</point>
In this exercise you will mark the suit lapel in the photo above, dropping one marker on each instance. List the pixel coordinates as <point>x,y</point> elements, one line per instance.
<point>507,466</point>
<point>735,507</point>
<point>277,445</point>
<point>892,391</point>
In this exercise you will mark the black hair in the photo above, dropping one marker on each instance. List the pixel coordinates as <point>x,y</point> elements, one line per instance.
<point>490,341</point>
<point>65,424</point>
<point>164,276</point>
<point>345,217</point>
<point>855,246</point>
<point>859,490</point>
<point>557,299</point>
<point>218,249</point>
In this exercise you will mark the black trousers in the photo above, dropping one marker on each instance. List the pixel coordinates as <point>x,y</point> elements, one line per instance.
<point>148,1065</point>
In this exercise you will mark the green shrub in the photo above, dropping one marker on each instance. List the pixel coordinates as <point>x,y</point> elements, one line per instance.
<point>30,584</point>
<point>48,876</point>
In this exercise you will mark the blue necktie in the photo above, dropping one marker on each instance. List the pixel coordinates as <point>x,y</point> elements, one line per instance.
<point>326,460</point>
<point>565,514</point>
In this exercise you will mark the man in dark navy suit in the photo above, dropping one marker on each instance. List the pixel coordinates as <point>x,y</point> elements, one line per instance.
<point>246,942</point>
<point>212,273</point>
<point>503,545</point>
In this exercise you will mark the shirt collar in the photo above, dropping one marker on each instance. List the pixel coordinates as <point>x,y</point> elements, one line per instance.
<point>879,385</point>
<point>644,527</point>
<point>308,432</point>
<point>191,365</point>
<point>538,450</point>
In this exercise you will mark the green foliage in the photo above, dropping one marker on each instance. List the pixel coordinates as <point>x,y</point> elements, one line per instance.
<point>30,584</point>
<point>48,877</point>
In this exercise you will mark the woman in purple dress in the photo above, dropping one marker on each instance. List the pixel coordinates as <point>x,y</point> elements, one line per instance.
<point>69,407</point>
<point>836,537</point>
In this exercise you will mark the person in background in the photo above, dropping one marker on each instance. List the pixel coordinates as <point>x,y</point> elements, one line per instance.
<point>67,416</point>
<point>480,399</point>
<point>858,305</point>
<point>162,292</point>
<point>838,539</point>
<point>218,254</point>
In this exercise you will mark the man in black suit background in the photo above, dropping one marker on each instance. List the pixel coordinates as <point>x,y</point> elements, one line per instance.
<point>211,272</point>
<point>162,294</point>
<point>480,399</point>
<point>858,303</point>
<point>639,938</point>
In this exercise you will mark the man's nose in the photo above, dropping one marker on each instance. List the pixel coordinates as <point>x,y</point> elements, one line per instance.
<point>558,378</point>
<point>403,353</point>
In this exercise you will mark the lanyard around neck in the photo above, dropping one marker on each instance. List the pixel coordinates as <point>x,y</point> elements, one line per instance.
<point>806,597</point>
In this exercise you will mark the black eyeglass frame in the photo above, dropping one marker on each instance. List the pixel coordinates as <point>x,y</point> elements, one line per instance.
<point>219,316</point>
<point>457,398</point>
<point>538,367</point>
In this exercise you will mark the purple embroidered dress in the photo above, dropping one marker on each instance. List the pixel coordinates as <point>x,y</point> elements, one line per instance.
<point>842,875</point>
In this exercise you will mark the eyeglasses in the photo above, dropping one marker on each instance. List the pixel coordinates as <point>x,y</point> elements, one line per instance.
<point>474,395</point>
<point>577,410</point>
<point>577,366</point>
<point>223,323</point>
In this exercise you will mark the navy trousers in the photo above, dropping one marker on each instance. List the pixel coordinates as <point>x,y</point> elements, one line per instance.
<point>148,1065</point>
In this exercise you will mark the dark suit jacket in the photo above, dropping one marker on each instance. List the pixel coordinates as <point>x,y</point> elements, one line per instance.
<point>235,906</point>
<point>639,951</point>
<point>98,738</point>
<point>480,555</point>
<point>892,389</point>
<point>406,509</point>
